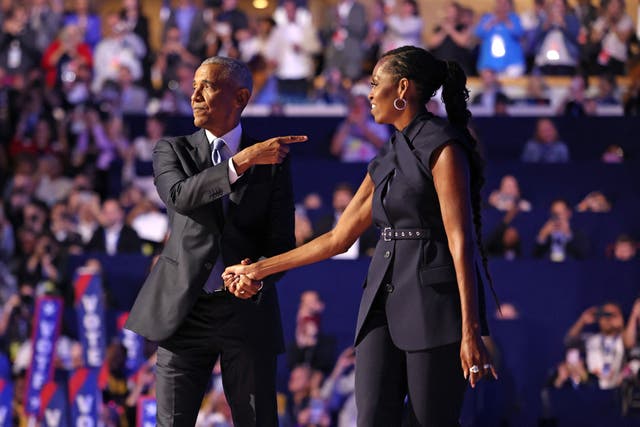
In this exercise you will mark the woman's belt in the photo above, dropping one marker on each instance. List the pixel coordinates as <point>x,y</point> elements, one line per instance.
<point>388,234</point>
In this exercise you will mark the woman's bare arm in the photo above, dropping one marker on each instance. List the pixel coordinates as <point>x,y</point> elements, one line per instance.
<point>352,223</point>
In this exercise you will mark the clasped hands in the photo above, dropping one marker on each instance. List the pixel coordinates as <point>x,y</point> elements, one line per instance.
<point>241,285</point>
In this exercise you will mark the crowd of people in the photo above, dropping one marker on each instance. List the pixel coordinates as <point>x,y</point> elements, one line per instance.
<point>74,183</point>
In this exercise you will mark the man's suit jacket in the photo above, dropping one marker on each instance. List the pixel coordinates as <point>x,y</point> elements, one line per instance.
<point>259,222</point>
<point>128,241</point>
<point>423,303</point>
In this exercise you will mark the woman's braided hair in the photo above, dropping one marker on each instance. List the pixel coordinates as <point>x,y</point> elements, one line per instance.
<point>429,74</point>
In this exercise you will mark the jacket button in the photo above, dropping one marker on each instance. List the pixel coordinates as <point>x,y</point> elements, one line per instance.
<point>388,287</point>
<point>387,254</point>
<point>208,265</point>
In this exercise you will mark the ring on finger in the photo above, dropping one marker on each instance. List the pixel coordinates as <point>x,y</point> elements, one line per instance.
<point>474,369</point>
<point>487,366</point>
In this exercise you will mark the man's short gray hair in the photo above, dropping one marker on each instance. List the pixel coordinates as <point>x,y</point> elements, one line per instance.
<point>232,69</point>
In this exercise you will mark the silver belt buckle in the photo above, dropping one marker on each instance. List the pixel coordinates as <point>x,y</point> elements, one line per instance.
<point>386,234</point>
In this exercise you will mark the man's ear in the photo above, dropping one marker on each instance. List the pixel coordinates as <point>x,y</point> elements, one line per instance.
<point>242,97</point>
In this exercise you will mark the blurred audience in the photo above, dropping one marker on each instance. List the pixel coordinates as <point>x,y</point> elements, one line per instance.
<point>499,33</point>
<point>557,240</point>
<point>604,350</point>
<point>451,39</point>
<point>508,197</point>
<point>624,249</point>
<point>546,145</point>
<point>114,236</point>
<point>594,202</point>
<point>358,138</point>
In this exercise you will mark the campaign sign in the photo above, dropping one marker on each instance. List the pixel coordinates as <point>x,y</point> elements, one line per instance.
<point>90,306</point>
<point>6,397</point>
<point>84,397</point>
<point>146,412</point>
<point>133,344</point>
<point>54,411</point>
<point>45,330</point>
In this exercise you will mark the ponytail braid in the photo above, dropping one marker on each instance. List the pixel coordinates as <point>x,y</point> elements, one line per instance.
<point>455,96</point>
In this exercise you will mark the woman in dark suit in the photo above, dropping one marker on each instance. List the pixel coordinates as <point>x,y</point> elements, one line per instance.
<point>422,312</point>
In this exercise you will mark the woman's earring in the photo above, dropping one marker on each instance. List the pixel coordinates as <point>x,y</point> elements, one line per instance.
<point>402,102</point>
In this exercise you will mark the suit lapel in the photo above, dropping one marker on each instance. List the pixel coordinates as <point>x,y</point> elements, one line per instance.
<point>201,149</point>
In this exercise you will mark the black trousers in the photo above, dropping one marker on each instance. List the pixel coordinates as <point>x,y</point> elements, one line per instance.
<point>385,375</point>
<point>215,327</point>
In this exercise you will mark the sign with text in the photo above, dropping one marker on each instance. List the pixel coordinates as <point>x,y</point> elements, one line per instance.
<point>133,344</point>
<point>90,308</point>
<point>45,331</point>
<point>84,397</point>
<point>54,410</point>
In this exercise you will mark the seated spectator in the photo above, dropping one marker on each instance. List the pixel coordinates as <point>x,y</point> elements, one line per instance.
<point>557,240</point>
<point>491,93</point>
<point>576,103</point>
<point>330,88</point>
<point>546,145</point>
<point>114,236</point>
<point>613,154</point>
<point>612,32</point>
<point>499,33</point>
<point>508,197</point>
<point>557,50</point>
<point>572,373</point>
<point>404,27</point>
<point>594,202</point>
<point>133,97</point>
<point>311,347</point>
<point>604,350</point>
<point>358,138</point>
<point>504,240</point>
<point>607,90</point>
<point>451,38</point>
<point>624,249</point>
<point>365,244</point>
<point>537,91</point>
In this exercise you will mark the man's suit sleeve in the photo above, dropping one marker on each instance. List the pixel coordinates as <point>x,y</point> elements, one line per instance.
<point>181,192</point>
<point>280,237</point>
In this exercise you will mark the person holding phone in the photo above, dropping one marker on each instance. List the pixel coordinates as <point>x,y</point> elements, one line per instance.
<point>557,239</point>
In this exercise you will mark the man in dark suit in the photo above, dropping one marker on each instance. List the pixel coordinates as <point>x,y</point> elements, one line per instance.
<point>228,198</point>
<point>114,236</point>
